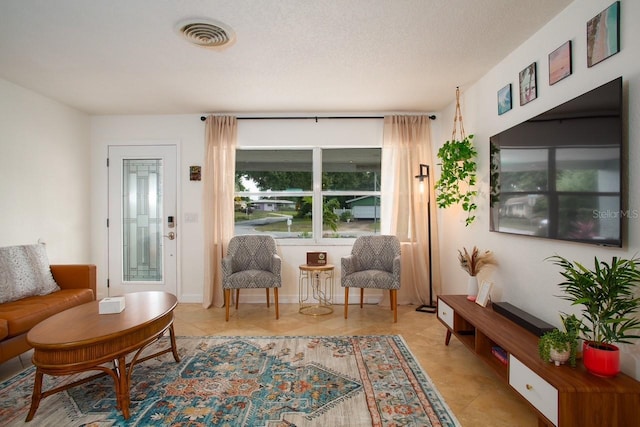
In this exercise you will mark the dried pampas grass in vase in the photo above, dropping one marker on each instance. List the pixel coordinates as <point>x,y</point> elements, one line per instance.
<point>473,262</point>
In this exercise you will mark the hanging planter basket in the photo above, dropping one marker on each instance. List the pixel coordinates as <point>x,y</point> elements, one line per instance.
<point>458,169</point>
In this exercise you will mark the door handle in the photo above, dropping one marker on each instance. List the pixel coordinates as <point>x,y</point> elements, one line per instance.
<point>171,235</point>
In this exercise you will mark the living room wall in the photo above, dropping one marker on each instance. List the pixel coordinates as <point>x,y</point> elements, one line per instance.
<point>44,174</point>
<point>523,277</point>
<point>187,131</point>
<point>50,191</point>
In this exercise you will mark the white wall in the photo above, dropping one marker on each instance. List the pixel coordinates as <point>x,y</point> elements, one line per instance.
<point>185,131</point>
<point>523,277</point>
<point>44,175</point>
<point>188,132</point>
<point>50,191</point>
<point>301,133</point>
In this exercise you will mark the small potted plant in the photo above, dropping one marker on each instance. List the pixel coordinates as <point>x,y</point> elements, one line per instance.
<point>559,346</point>
<point>607,296</point>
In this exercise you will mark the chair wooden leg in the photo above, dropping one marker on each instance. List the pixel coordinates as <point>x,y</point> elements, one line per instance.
<point>394,304</point>
<point>346,301</point>
<point>237,297</point>
<point>275,296</point>
<point>361,297</point>
<point>227,301</point>
<point>267,289</point>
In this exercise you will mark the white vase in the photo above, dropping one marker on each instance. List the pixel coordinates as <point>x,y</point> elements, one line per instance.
<point>472,288</point>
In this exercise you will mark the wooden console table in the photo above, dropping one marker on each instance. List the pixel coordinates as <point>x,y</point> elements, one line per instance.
<point>561,396</point>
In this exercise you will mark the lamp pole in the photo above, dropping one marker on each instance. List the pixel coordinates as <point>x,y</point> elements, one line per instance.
<point>424,174</point>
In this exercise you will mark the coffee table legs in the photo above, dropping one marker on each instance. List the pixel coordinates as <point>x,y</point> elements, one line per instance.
<point>37,395</point>
<point>121,374</point>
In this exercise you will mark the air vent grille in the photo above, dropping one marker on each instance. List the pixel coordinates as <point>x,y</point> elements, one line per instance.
<point>207,34</point>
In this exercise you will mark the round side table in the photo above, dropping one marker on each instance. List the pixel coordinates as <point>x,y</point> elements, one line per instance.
<point>316,289</point>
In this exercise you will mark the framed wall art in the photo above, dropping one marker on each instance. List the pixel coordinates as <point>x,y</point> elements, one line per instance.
<point>560,63</point>
<point>195,173</point>
<point>504,99</point>
<point>528,86</point>
<point>603,35</point>
<point>484,293</point>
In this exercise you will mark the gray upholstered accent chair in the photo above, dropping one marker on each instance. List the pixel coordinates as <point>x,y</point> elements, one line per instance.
<point>374,263</point>
<point>251,262</point>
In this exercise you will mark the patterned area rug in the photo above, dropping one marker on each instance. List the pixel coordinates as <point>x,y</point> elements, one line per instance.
<point>250,381</point>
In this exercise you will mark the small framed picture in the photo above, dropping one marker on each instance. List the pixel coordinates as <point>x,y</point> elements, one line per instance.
<point>504,99</point>
<point>528,86</point>
<point>195,173</point>
<point>560,63</point>
<point>603,35</point>
<point>484,293</point>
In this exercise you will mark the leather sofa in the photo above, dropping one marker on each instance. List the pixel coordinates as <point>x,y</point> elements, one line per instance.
<point>77,286</point>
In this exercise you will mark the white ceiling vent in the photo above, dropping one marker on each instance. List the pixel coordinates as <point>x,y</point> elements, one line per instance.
<point>207,33</point>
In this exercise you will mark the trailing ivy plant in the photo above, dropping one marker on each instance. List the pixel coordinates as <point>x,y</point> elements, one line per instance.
<point>494,175</point>
<point>458,176</point>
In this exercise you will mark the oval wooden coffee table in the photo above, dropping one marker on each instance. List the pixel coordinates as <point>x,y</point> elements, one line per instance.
<point>80,339</point>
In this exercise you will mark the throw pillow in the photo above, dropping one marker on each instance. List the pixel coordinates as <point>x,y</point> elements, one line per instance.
<point>25,271</point>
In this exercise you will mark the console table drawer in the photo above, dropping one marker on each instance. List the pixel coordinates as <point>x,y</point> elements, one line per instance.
<point>445,313</point>
<point>536,390</point>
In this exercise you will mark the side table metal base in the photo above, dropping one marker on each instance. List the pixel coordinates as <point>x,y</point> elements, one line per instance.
<point>316,290</point>
<point>316,310</point>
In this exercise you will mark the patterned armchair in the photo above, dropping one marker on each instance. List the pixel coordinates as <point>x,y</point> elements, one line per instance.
<point>374,263</point>
<point>251,262</point>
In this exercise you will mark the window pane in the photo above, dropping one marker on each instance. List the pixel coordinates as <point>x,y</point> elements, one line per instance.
<point>588,169</point>
<point>523,172</point>
<point>274,170</point>
<point>142,220</point>
<point>275,192</point>
<point>598,218</point>
<point>282,218</point>
<point>351,169</point>
<point>524,214</point>
<point>350,216</point>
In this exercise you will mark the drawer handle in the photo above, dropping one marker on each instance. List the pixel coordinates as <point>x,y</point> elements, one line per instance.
<point>529,387</point>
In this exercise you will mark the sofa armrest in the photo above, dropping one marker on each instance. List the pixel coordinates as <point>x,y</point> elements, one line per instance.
<point>75,276</point>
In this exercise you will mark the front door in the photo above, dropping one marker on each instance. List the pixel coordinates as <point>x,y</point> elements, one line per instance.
<point>142,219</point>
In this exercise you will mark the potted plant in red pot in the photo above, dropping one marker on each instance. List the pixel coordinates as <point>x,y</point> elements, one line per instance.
<point>607,296</point>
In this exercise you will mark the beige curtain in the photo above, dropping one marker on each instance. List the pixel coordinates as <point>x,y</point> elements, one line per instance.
<point>406,145</point>
<point>218,188</point>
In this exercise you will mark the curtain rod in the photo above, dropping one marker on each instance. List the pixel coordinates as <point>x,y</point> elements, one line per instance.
<point>203,118</point>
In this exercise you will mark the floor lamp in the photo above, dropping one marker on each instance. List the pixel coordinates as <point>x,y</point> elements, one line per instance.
<point>424,174</point>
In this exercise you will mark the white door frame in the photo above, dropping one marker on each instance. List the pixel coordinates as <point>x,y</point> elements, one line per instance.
<point>171,263</point>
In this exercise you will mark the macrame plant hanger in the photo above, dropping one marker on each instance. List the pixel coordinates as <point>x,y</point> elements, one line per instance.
<point>457,116</point>
<point>458,168</point>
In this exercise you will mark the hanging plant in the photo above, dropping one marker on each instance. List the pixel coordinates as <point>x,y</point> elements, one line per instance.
<point>458,169</point>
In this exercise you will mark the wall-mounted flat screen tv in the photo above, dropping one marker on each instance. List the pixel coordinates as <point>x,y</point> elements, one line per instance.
<point>559,174</point>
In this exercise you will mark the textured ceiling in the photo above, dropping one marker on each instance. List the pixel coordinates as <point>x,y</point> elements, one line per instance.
<point>126,56</point>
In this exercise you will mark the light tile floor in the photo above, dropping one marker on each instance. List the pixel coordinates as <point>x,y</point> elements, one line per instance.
<point>477,397</point>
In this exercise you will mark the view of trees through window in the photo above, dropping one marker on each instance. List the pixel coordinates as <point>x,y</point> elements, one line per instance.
<point>558,191</point>
<point>277,192</point>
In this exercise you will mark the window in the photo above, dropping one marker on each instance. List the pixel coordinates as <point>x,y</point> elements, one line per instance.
<point>308,193</point>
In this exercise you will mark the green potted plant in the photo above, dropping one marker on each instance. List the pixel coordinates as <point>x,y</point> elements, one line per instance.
<point>458,169</point>
<point>559,346</point>
<point>606,294</point>
<point>555,346</point>
<point>458,176</point>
